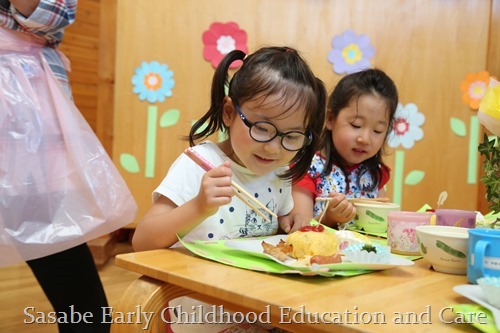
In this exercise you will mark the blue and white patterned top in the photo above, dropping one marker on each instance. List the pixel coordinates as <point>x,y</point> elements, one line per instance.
<point>335,181</point>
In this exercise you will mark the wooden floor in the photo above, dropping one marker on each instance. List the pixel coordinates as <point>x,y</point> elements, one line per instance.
<point>19,289</point>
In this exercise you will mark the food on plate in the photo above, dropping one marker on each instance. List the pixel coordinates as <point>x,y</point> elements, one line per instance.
<point>347,237</point>
<point>312,240</point>
<point>367,253</point>
<point>314,245</point>
<point>326,260</point>
<point>279,251</point>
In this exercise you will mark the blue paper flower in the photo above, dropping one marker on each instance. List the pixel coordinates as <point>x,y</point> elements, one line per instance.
<point>350,53</point>
<point>153,81</point>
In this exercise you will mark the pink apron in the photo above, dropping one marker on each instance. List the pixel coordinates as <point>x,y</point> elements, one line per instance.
<point>58,186</point>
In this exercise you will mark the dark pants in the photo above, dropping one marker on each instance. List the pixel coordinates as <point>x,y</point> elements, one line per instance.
<point>70,278</point>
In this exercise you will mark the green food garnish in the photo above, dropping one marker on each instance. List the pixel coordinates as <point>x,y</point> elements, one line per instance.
<point>369,248</point>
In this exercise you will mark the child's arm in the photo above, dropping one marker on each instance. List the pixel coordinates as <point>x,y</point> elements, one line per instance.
<point>302,212</point>
<point>160,225</point>
<point>339,210</point>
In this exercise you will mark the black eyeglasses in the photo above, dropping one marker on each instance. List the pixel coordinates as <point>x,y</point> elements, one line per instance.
<point>264,131</point>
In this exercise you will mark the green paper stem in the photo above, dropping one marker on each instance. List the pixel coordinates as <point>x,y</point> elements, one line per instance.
<point>473,154</point>
<point>399,164</point>
<point>151,141</point>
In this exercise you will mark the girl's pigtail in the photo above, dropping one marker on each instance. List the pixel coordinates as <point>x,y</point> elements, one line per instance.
<point>316,125</point>
<point>214,114</point>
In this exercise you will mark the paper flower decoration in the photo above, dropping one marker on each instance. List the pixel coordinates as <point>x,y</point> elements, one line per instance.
<point>351,53</point>
<point>489,108</point>
<point>473,88</point>
<point>406,126</point>
<point>153,81</point>
<point>222,38</point>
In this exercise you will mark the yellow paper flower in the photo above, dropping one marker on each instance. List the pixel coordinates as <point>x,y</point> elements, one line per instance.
<point>489,108</point>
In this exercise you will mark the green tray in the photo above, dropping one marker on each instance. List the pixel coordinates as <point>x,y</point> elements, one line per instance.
<point>218,251</point>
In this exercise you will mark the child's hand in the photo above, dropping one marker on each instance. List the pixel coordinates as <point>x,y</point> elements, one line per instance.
<point>215,189</point>
<point>340,210</point>
<point>294,222</point>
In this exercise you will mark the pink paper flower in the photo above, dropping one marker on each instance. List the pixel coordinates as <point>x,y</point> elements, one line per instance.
<point>222,38</point>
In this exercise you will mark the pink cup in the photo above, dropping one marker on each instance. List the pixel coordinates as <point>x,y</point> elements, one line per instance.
<point>456,218</point>
<point>401,234</point>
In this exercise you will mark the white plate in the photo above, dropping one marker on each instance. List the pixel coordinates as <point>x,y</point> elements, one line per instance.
<point>254,247</point>
<point>475,293</point>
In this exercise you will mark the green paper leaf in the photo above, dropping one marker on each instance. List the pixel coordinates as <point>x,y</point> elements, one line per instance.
<point>458,127</point>
<point>414,177</point>
<point>201,128</point>
<point>223,136</point>
<point>129,163</point>
<point>169,118</point>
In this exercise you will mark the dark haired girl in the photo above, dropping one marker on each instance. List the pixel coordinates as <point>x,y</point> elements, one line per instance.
<point>349,164</point>
<point>272,115</point>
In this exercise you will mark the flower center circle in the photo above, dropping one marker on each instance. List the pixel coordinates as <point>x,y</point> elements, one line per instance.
<point>152,81</point>
<point>226,44</point>
<point>477,89</point>
<point>401,126</point>
<point>352,54</point>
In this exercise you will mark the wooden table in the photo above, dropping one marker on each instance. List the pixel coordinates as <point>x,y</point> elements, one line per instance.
<point>403,299</point>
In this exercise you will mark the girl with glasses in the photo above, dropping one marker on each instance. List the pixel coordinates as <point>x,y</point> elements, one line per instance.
<point>272,118</point>
<point>349,164</point>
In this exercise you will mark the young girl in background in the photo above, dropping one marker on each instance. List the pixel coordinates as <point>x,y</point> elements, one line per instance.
<point>273,116</point>
<point>349,164</point>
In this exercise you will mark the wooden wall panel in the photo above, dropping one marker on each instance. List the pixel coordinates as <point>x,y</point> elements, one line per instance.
<point>106,73</point>
<point>427,47</point>
<point>80,45</point>
<point>493,62</point>
<point>88,44</point>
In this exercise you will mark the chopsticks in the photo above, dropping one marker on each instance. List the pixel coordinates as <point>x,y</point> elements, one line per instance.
<point>382,200</point>
<point>240,192</point>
